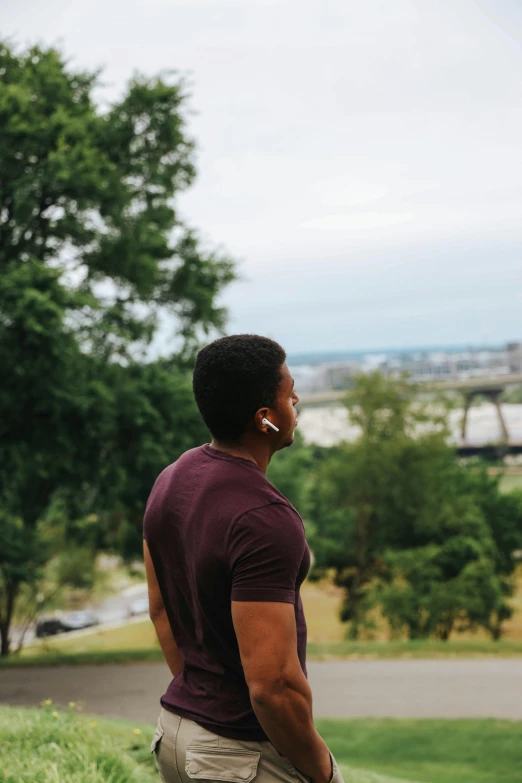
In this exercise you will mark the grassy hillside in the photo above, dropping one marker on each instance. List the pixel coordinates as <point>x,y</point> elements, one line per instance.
<point>56,746</point>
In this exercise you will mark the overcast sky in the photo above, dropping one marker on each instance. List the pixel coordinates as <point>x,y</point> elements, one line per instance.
<point>362,159</point>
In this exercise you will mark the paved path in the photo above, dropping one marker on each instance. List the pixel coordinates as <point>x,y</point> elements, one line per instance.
<point>398,689</point>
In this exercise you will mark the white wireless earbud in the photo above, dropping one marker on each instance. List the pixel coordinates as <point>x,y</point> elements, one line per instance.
<point>265,421</point>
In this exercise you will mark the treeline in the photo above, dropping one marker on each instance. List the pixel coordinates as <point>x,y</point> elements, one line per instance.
<point>93,255</point>
<point>404,526</point>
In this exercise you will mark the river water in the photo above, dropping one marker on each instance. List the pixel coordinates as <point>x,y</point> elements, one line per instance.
<point>329,424</point>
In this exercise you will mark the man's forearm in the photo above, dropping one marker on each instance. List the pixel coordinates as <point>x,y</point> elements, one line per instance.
<point>169,647</point>
<point>286,717</point>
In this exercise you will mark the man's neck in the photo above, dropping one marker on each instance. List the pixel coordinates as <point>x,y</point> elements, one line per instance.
<point>258,454</point>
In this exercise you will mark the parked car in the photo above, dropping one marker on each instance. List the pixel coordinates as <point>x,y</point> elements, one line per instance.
<point>49,626</point>
<point>81,619</point>
<point>139,606</point>
<point>70,621</point>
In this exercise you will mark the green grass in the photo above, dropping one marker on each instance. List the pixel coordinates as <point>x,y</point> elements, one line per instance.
<point>61,655</point>
<point>509,483</point>
<point>429,751</point>
<point>101,657</point>
<point>39,747</point>
<point>428,648</point>
<point>131,637</point>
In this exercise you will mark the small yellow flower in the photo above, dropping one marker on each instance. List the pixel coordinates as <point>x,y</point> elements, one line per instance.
<point>46,702</point>
<point>137,731</point>
<point>93,724</point>
<point>55,714</point>
<point>72,704</point>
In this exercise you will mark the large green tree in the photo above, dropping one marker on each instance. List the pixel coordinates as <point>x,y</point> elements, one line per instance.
<point>405,526</point>
<point>93,255</point>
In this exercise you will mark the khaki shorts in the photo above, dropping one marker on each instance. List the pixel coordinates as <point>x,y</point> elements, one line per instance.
<point>186,752</point>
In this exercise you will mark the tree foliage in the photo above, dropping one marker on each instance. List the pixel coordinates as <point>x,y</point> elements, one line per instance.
<point>405,527</point>
<point>291,471</point>
<point>93,255</point>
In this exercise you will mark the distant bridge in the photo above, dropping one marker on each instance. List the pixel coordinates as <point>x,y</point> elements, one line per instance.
<point>456,384</point>
<point>488,450</point>
<point>490,387</point>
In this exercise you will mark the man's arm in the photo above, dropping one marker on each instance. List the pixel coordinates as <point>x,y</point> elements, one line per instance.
<point>279,691</point>
<point>159,618</point>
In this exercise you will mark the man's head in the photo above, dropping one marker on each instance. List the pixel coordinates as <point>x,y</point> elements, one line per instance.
<point>238,381</point>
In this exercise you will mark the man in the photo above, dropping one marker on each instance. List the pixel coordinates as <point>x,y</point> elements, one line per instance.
<point>225,554</point>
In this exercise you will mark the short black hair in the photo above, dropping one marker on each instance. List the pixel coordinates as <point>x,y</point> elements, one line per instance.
<point>234,377</point>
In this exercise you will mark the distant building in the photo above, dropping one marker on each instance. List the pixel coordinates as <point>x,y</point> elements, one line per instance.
<point>340,375</point>
<point>514,357</point>
<point>418,365</point>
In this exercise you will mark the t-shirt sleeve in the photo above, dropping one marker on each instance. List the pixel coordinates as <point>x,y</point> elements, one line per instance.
<point>265,551</point>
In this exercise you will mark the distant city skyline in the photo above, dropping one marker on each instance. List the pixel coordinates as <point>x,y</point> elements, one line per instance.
<point>361,160</point>
<point>314,357</point>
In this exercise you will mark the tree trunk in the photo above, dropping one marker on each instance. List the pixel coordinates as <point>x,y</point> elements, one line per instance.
<point>4,640</point>
<point>495,629</point>
<point>25,627</point>
<point>445,628</point>
<point>11,591</point>
<point>355,592</point>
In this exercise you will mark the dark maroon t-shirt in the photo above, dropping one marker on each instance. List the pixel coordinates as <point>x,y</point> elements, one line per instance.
<point>219,531</point>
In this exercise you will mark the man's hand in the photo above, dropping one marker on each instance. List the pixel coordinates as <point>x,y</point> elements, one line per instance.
<point>279,691</point>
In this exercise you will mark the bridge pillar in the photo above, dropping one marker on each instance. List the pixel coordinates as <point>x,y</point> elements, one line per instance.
<point>493,395</point>
<point>467,403</point>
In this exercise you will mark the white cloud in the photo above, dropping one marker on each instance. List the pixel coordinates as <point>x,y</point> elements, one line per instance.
<point>348,150</point>
<point>357,221</point>
<point>346,191</point>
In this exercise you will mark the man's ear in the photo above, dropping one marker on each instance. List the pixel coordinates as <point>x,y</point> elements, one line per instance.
<point>261,414</point>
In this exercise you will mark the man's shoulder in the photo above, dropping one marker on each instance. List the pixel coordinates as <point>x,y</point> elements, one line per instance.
<point>271,512</point>
<point>232,488</point>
